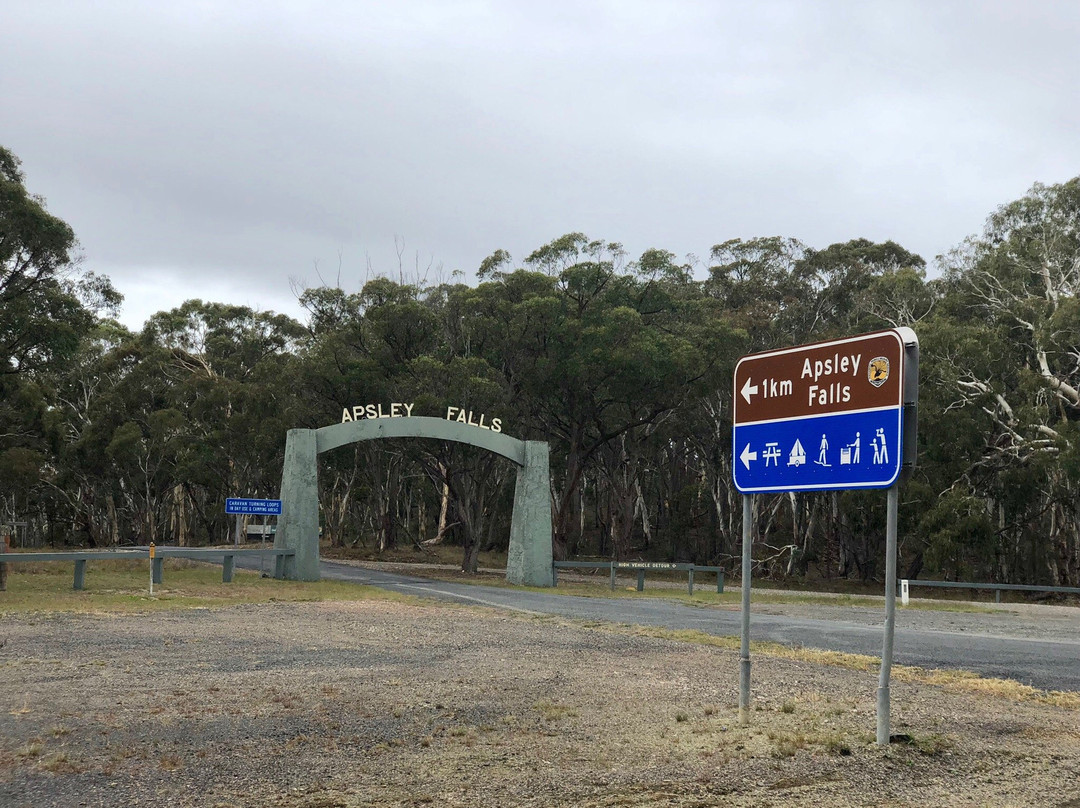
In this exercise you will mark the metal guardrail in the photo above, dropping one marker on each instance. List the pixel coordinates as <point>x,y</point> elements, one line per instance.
<point>227,556</point>
<point>641,567</point>
<point>1068,590</point>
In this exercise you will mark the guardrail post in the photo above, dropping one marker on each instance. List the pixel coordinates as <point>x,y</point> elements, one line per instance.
<point>641,581</point>
<point>156,566</point>
<point>690,583</point>
<point>80,574</point>
<point>613,566</point>
<point>227,569</point>
<point>997,596</point>
<point>554,574</point>
<point>719,583</point>
<point>279,567</point>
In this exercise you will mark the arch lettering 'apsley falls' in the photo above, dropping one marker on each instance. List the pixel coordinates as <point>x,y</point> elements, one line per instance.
<point>529,559</point>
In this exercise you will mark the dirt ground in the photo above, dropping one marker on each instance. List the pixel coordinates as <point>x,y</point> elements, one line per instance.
<point>383,703</point>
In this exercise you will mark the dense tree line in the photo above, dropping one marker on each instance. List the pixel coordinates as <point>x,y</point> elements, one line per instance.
<point>623,365</point>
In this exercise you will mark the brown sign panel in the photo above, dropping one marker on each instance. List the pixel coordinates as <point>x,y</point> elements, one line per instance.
<point>844,375</point>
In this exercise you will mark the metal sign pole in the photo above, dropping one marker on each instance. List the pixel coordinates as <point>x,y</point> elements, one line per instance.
<point>890,619</point>
<point>744,660</point>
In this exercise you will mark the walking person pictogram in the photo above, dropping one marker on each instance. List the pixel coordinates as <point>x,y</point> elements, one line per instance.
<point>822,454</point>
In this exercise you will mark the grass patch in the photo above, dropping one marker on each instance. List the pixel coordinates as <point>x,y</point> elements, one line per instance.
<point>705,594</point>
<point>836,743</point>
<point>966,681</point>
<point>955,680</point>
<point>123,587</point>
<point>929,745</point>
<point>550,711</point>
<point>786,744</point>
<point>31,749</point>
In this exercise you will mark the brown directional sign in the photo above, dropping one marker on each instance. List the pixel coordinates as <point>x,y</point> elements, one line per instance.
<point>856,373</point>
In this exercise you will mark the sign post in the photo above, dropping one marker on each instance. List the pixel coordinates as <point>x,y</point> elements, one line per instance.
<point>890,620</point>
<point>828,416</point>
<point>744,653</point>
<point>260,507</point>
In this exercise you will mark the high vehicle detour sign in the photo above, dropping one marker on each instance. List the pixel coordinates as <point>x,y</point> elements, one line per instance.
<point>828,415</point>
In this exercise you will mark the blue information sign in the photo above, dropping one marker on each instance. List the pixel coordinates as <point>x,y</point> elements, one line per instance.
<point>824,416</point>
<point>259,507</point>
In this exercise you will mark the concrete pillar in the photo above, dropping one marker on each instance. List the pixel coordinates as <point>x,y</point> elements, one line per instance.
<point>298,525</point>
<point>528,562</point>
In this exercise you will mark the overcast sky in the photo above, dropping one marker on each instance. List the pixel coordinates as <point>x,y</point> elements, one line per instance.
<point>218,150</point>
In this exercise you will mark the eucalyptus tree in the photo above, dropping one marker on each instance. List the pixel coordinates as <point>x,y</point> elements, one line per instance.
<point>477,484</point>
<point>1010,352</point>
<point>366,347</point>
<point>758,282</point>
<point>783,292</point>
<point>228,368</point>
<point>851,287</point>
<point>47,306</point>
<point>858,286</point>
<point>42,318</point>
<point>591,351</point>
<point>80,430</point>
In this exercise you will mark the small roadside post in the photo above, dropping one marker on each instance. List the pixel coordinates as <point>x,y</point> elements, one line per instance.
<point>153,555</point>
<point>5,547</point>
<point>827,416</point>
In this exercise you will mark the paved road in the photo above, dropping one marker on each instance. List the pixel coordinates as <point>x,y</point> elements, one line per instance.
<point>1051,665</point>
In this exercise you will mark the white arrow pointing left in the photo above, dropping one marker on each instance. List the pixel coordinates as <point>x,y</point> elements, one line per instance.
<point>747,456</point>
<point>748,390</point>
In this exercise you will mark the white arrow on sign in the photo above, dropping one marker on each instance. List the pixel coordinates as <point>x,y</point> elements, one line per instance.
<point>747,456</point>
<point>748,390</point>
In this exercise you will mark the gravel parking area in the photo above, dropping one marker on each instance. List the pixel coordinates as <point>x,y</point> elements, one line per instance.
<point>382,703</point>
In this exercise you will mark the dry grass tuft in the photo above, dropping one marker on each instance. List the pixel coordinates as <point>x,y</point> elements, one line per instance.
<point>550,711</point>
<point>170,763</point>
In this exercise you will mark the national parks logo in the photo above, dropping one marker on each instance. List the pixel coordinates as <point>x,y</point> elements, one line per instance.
<point>878,371</point>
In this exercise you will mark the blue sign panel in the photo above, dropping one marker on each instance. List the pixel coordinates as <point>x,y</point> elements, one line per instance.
<point>846,450</point>
<point>825,416</point>
<point>259,507</point>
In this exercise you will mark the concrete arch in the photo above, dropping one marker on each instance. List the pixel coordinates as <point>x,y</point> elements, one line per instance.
<point>331,437</point>
<point>529,557</point>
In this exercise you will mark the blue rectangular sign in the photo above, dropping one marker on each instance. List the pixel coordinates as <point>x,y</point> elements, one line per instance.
<point>844,450</point>
<point>259,507</point>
